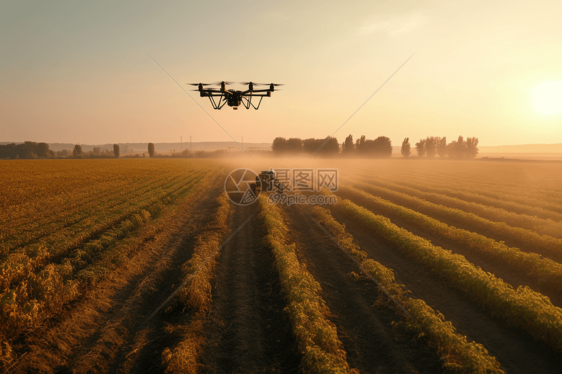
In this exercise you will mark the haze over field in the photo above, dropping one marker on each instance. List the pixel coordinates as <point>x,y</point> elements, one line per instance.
<point>79,72</point>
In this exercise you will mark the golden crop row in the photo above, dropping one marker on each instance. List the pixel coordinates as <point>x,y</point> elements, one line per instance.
<point>196,295</point>
<point>84,221</point>
<point>541,243</point>
<point>542,269</point>
<point>539,225</point>
<point>505,182</point>
<point>528,208</point>
<point>455,351</point>
<point>523,307</point>
<point>546,199</point>
<point>316,335</point>
<point>58,245</point>
<point>40,293</point>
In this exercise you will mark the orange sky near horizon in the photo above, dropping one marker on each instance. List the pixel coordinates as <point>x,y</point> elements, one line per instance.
<point>79,72</point>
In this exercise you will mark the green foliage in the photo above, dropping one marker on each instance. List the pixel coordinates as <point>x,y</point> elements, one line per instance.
<point>457,353</point>
<point>548,271</point>
<point>522,307</point>
<point>316,336</point>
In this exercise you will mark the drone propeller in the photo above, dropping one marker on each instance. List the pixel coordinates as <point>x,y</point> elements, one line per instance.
<point>202,84</point>
<point>262,84</point>
<point>225,82</point>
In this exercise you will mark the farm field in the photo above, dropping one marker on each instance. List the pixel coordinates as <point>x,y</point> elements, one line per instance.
<point>426,266</point>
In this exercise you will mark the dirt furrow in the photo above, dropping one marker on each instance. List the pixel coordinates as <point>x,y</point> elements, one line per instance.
<point>497,267</point>
<point>514,349</point>
<point>96,334</point>
<point>366,330</point>
<point>247,330</point>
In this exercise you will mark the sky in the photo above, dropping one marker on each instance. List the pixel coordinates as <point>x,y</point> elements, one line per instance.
<point>83,71</point>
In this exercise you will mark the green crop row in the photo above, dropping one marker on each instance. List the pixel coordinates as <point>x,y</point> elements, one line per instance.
<point>316,335</point>
<point>548,224</point>
<point>502,182</point>
<point>457,354</point>
<point>523,307</point>
<point>541,243</point>
<point>542,269</point>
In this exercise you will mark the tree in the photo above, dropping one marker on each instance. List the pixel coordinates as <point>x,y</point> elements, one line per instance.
<point>294,145</point>
<point>43,150</point>
<point>430,146</point>
<point>382,147</point>
<point>405,150</point>
<point>471,147</point>
<point>77,152</point>
<point>457,149</point>
<point>116,150</point>
<point>442,147</point>
<point>347,147</point>
<point>420,148</point>
<point>327,147</point>
<point>360,143</point>
<point>151,149</point>
<point>97,150</point>
<point>279,145</point>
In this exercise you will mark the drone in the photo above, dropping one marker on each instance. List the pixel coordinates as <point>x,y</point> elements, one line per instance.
<point>234,97</point>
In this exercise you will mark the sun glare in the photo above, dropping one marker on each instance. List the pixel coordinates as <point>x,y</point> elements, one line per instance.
<point>547,97</point>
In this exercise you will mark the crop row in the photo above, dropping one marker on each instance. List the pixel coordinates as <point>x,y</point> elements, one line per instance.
<point>523,307</point>
<point>39,295</point>
<point>316,335</point>
<point>529,208</point>
<point>549,200</point>
<point>528,195</point>
<point>540,225</point>
<point>196,295</point>
<point>455,351</point>
<point>58,245</point>
<point>547,271</point>
<point>544,244</point>
<point>51,223</point>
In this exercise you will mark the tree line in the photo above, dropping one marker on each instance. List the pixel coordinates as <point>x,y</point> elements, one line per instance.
<point>434,145</point>
<point>33,150</point>
<point>380,147</point>
<point>329,146</point>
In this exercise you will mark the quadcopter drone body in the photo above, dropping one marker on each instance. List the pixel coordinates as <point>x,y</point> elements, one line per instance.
<point>234,97</point>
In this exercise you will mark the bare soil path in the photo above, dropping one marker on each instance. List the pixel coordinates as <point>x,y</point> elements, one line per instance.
<point>366,331</point>
<point>515,350</point>
<point>247,331</point>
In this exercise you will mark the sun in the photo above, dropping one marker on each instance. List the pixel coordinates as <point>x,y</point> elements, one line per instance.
<point>547,97</point>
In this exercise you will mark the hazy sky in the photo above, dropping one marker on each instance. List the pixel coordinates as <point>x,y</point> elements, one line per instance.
<point>78,71</point>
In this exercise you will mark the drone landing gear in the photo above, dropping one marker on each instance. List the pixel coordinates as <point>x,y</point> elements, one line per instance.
<point>247,102</point>
<point>220,104</point>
